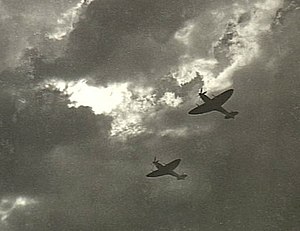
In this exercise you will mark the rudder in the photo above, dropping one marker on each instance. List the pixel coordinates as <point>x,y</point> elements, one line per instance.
<point>182,177</point>
<point>231,115</point>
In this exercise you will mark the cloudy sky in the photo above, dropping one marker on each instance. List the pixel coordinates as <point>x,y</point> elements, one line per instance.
<point>92,90</point>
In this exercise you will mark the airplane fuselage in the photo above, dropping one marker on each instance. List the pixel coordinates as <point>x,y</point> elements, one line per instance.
<point>162,168</point>
<point>205,98</point>
<point>158,165</point>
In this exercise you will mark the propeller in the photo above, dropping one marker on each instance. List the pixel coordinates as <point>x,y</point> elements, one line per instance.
<point>154,161</point>
<point>201,91</point>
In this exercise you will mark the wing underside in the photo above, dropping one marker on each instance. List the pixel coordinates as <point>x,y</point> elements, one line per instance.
<point>172,165</point>
<point>222,98</point>
<point>202,109</point>
<point>156,173</point>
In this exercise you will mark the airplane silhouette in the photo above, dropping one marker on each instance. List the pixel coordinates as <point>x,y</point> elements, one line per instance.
<point>214,104</point>
<point>166,169</point>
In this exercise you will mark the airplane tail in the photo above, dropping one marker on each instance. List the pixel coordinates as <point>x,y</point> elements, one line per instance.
<point>181,177</point>
<point>231,115</point>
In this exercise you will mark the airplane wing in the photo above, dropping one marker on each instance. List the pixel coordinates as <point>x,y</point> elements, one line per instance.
<point>172,165</point>
<point>223,97</point>
<point>203,108</point>
<point>156,173</point>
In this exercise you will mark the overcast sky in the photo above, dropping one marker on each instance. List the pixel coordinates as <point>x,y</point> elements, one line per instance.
<point>92,91</point>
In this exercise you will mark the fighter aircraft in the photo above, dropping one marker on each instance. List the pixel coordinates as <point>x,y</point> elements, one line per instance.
<point>166,169</point>
<point>214,104</point>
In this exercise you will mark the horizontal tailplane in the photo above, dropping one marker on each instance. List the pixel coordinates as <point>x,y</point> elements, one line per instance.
<point>231,115</point>
<point>181,177</point>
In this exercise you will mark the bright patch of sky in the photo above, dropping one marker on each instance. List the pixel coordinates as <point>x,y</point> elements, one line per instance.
<point>101,99</point>
<point>8,205</point>
<point>128,105</point>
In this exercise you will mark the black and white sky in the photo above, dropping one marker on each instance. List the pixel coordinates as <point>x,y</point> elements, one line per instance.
<point>92,90</point>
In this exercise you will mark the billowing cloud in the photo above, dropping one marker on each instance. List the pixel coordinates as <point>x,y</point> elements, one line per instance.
<point>183,34</point>
<point>170,99</point>
<point>129,105</point>
<point>67,20</point>
<point>188,69</point>
<point>25,24</point>
<point>237,47</point>
<point>102,100</point>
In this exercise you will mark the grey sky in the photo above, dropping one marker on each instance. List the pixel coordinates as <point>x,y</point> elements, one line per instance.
<point>60,167</point>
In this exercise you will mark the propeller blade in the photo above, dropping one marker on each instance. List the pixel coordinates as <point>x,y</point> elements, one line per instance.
<point>201,91</point>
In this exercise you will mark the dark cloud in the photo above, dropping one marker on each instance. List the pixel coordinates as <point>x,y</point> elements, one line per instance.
<point>34,126</point>
<point>108,24</point>
<point>118,40</point>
